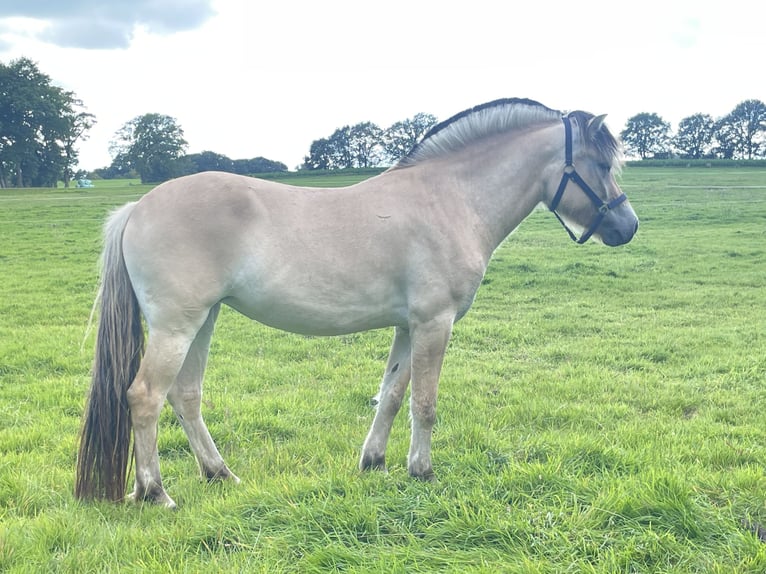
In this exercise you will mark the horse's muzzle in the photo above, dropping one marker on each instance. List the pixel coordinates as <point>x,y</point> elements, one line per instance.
<point>616,231</point>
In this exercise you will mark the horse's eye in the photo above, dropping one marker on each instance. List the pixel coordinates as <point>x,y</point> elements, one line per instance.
<point>605,167</point>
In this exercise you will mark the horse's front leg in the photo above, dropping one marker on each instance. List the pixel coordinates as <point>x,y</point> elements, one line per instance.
<point>429,343</point>
<point>390,397</point>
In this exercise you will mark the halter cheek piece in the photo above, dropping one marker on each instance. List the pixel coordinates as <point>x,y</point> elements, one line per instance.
<point>570,174</point>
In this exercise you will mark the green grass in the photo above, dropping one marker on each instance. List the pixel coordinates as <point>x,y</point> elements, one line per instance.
<point>601,410</point>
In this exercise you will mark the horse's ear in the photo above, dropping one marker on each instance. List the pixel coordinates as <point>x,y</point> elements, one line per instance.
<point>595,124</point>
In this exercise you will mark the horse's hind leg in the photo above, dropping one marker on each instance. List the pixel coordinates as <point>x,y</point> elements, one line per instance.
<point>146,396</point>
<point>186,395</point>
<point>390,398</point>
<point>165,354</point>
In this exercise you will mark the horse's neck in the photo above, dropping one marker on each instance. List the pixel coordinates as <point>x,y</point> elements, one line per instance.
<point>504,180</point>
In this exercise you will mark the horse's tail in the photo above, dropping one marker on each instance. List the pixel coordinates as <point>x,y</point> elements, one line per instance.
<point>102,461</point>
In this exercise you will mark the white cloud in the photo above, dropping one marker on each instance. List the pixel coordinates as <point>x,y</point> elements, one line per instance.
<point>94,24</point>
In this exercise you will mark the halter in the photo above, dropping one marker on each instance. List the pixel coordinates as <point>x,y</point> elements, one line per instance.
<point>570,174</point>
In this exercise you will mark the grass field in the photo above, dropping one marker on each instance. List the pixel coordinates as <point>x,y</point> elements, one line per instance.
<point>601,410</point>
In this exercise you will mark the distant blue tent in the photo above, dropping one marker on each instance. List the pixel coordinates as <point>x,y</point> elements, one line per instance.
<point>84,183</point>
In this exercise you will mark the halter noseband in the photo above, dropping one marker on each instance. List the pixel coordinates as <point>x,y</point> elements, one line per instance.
<point>570,174</point>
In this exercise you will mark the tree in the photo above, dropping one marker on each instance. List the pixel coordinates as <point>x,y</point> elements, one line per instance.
<point>350,146</point>
<point>151,144</point>
<point>726,139</point>
<point>330,153</point>
<point>120,168</point>
<point>209,161</point>
<point>257,165</point>
<point>743,132</point>
<point>39,126</point>
<point>695,135</point>
<point>365,147</point>
<point>402,136</point>
<point>646,133</point>
<point>319,155</point>
<point>340,148</point>
<point>79,122</point>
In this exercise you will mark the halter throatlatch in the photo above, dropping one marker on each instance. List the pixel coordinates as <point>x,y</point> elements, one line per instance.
<point>570,174</point>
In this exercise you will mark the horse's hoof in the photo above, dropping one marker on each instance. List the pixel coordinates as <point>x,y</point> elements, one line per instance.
<point>369,462</point>
<point>426,475</point>
<point>223,474</point>
<point>160,498</point>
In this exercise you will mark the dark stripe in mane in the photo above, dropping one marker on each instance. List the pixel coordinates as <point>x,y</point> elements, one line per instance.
<point>499,116</point>
<point>493,104</point>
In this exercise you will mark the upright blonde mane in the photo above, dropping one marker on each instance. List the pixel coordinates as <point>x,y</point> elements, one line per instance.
<point>481,121</point>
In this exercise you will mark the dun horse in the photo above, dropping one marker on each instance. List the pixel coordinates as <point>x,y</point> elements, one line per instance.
<point>406,249</point>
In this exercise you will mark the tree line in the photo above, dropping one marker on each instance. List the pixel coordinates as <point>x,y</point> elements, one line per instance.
<point>41,125</point>
<point>367,145</point>
<point>153,147</point>
<point>740,134</point>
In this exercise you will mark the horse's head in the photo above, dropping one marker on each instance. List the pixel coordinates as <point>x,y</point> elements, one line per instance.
<point>588,198</point>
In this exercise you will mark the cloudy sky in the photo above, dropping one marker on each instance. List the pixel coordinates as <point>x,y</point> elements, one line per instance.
<point>249,79</point>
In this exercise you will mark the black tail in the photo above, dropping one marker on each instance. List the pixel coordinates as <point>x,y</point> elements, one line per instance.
<point>102,462</point>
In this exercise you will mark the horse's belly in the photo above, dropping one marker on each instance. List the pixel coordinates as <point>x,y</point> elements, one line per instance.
<point>318,313</point>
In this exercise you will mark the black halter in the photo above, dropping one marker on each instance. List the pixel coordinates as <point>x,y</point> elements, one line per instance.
<point>570,174</point>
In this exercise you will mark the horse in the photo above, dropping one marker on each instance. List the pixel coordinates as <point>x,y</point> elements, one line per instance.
<point>406,249</point>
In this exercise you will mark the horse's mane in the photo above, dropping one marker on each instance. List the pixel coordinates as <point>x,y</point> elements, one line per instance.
<point>496,117</point>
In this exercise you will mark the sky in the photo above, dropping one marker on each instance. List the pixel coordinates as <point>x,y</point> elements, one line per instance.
<point>249,79</point>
